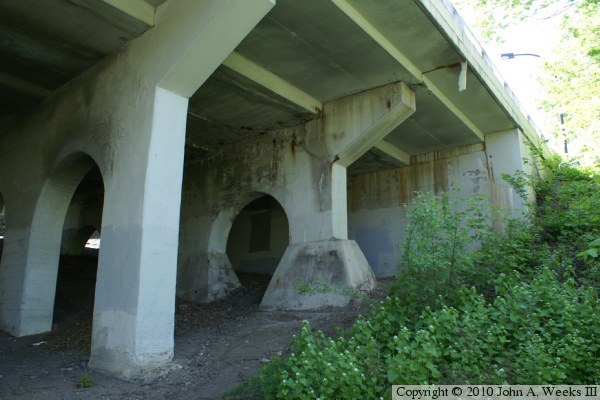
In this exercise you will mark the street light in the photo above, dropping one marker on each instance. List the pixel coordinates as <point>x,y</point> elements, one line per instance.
<point>509,56</point>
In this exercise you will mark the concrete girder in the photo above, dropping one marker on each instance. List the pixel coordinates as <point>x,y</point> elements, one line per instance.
<point>183,78</point>
<point>274,83</point>
<point>354,124</point>
<point>446,15</point>
<point>405,61</point>
<point>393,151</point>
<point>267,79</point>
<point>21,85</point>
<point>138,9</point>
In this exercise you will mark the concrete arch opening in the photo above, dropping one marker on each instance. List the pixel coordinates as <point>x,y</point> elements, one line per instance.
<point>257,240</point>
<point>76,279</point>
<point>37,294</point>
<point>75,240</point>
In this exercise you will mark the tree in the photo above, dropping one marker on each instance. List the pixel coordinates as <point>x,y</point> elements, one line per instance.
<point>570,77</point>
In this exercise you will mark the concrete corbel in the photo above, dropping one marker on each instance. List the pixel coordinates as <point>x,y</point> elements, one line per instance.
<point>355,124</point>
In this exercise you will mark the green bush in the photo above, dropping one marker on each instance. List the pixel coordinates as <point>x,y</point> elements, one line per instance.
<point>438,256</point>
<point>469,306</point>
<point>538,332</point>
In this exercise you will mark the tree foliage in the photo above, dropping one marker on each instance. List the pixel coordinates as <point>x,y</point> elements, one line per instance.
<point>571,73</point>
<point>522,309</point>
<point>572,82</point>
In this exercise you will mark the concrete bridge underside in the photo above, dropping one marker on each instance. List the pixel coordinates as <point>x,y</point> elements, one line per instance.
<point>186,112</point>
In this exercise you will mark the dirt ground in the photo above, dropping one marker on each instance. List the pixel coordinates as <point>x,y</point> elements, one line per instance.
<point>217,345</point>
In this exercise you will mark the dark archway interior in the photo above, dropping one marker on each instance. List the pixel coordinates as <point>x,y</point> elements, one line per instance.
<point>257,240</point>
<point>2,224</point>
<point>76,280</point>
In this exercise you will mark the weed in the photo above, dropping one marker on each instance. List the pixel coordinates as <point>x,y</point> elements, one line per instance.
<point>85,381</point>
<point>470,305</point>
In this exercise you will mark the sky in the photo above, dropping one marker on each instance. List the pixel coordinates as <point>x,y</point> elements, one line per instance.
<point>537,36</point>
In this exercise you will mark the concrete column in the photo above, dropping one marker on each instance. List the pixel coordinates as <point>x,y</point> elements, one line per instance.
<point>205,272</point>
<point>506,154</point>
<point>135,289</point>
<point>320,252</point>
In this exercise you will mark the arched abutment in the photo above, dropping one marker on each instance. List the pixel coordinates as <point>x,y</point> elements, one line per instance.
<point>205,271</point>
<point>304,168</point>
<point>28,276</point>
<point>129,113</point>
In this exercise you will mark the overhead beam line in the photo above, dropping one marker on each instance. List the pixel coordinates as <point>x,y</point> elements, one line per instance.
<point>23,86</point>
<point>392,50</point>
<point>138,9</point>
<point>393,151</point>
<point>274,83</point>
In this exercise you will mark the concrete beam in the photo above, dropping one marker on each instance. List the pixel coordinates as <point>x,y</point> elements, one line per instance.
<point>204,54</point>
<point>393,152</point>
<point>23,86</point>
<point>356,123</point>
<point>444,13</point>
<point>137,9</point>
<point>392,50</point>
<point>274,83</point>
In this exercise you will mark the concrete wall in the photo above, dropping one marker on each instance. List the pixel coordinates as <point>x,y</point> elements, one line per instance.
<point>376,212</point>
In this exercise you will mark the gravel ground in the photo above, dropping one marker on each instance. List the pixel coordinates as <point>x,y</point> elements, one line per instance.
<point>217,345</point>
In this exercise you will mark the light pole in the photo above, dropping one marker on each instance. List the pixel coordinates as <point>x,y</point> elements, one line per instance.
<point>509,56</point>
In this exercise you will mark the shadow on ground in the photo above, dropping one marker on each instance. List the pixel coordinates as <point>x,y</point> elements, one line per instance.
<point>217,345</point>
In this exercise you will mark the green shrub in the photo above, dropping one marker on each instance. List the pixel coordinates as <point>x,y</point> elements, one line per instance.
<point>438,256</point>
<point>538,332</point>
<point>469,306</point>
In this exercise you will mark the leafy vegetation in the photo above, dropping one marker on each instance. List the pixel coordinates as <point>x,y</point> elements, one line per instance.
<point>85,381</point>
<point>570,76</point>
<point>469,305</point>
